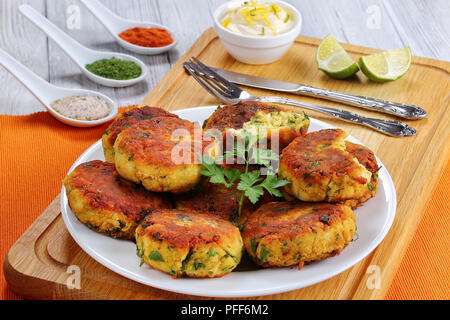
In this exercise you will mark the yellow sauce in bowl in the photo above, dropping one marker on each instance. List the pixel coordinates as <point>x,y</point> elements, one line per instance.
<point>258,19</point>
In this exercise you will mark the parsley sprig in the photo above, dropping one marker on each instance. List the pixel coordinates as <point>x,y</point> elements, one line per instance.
<point>251,183</point>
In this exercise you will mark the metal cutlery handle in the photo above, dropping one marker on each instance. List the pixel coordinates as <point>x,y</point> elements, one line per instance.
<point>399,109</point>
<point>390,127</point>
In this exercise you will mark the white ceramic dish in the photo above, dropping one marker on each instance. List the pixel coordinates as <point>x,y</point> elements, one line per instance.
<point>81,55</point>
<point>47,93</point>
<point>116,25</point>
<point>374,220</point>
<point>256,49</point>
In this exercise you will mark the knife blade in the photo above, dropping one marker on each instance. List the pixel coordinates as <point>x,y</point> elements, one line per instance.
<point>401,110</point>
<point>257,82</point>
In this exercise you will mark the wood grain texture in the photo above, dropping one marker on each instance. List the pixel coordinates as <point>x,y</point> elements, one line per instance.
<point>36,268</point>
<point>422,24</point>
<point>29,46</point>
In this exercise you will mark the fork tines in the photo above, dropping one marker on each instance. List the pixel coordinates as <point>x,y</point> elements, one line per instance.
<point>212,82</point>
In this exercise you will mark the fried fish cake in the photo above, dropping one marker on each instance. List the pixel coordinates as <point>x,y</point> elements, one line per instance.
<point>259,118</point>
<point>107,203</point>
<point>366,158</point>
<point>161,153</point>
<point>286,233</point>
<point>322,169</point>
<point>219,200</point>
<point>125,120</point>
<point>189,243</point>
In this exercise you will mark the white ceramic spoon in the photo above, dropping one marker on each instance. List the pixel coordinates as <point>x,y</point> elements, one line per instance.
<point>47,93</point>
<point>117,25</point>
<point>79,53</point>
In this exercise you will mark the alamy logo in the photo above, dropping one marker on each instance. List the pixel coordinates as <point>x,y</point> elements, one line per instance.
<point>73,17</point>
<point>74,280</point>
<point>374,19</point>
<point>374,279</point>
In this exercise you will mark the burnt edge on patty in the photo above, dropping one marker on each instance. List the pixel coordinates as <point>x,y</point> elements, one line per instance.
<point>103,195</point>
<point>144,153</point>
<point>234,117</point>
<point>275,126</point>
<point>125,120</point>
<point>323,155</point>
<point>188,243</point>
<point>217,199</point>
<point>274,237</point>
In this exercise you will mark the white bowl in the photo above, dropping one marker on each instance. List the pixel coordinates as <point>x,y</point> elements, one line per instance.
<point>256,49</point>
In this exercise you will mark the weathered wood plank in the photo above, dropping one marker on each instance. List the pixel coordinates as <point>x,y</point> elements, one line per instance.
<point>424,25</point>
<point>64,72</point>
<point>24,42</point>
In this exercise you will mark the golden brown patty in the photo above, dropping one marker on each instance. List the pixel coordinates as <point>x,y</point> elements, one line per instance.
<point>107,203</point>
<point>322,169</point>
<point>189,243</point>
<point>161,153</point>
<point>234,117</point>
<point>367,158</point>
<point>287,233</point>
<point>125,120</point>
<point>259,118</point>
<point>219,200</point>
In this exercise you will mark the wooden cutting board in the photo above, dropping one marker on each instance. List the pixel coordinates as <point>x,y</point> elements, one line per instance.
<point>38,264</point>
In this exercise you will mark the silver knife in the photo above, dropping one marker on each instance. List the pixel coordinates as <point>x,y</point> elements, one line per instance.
<point>401,110</point>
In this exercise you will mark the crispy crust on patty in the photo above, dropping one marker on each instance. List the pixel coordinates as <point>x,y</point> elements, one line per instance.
<point>321,169</point>
<point>288,233</point>
<point>364,155</point>
<point>125,120</point>
<point>107,203</point>
<point>190,243</point>
<point>219,200</point>
<point>161,153</point>
<point>268,121</point>
<point>367,158</point>
<point>234,117</point>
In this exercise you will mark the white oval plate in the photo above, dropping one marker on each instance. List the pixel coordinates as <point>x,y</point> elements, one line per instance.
<point>374,220</point>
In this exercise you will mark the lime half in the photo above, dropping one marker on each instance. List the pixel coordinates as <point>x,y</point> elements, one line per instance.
<point>333,60</point>
<point>386,66</point>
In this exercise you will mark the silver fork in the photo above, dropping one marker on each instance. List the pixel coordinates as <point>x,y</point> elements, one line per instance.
<point>232,94</point>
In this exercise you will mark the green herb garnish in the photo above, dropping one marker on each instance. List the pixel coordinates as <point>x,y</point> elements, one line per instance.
<point>227,268</point>
<point>262,32</point>
<point>211,253</point>
<point>254,244</point>
<point>275,11</point>
<point>198,265</point>
<point>251,183</point>
<point>140,254</point>
<point>156,256</point>
<point>263,253</point>
<point>115,69</point>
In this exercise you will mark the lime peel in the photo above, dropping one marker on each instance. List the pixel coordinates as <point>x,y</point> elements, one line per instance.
<point>386,66</point>
<point>332,59</point>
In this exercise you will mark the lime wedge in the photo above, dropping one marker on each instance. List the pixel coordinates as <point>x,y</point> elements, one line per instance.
<point>333,60</point>
<point>386,66</point>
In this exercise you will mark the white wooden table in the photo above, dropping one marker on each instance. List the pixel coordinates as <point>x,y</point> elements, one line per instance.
<point>422,24</point>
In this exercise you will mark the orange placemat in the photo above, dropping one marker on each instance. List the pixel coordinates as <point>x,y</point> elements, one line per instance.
<point>36,151</point>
